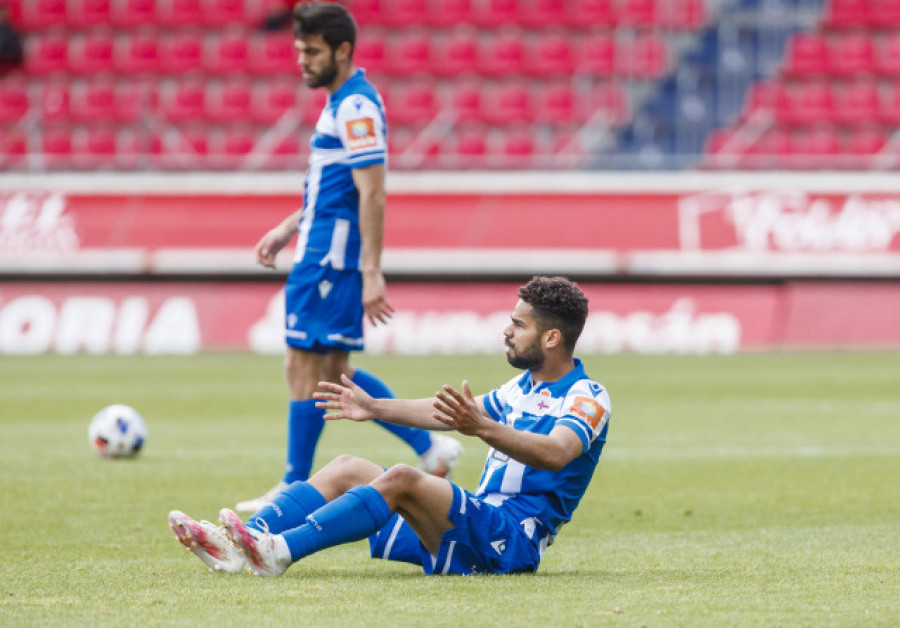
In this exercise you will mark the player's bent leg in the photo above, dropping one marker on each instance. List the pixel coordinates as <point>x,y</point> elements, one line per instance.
<point>207,542</point>
<point>343,473</point>
<point>423,500</point>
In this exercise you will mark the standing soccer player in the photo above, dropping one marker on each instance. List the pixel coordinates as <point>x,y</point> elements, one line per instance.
<point>336,279</point>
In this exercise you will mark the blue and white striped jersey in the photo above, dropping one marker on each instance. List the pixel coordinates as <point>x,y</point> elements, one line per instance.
<point>545,500</point>
<point>351,133</point>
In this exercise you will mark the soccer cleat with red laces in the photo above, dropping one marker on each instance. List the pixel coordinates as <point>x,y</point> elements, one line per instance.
<point>207,542</point>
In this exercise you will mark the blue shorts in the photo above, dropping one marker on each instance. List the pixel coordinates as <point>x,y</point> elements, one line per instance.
<point>323,309</point>
<point>483,539</point>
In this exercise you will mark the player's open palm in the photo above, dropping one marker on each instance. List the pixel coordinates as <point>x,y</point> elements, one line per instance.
<point>347,401</point>
<point>459,410</point>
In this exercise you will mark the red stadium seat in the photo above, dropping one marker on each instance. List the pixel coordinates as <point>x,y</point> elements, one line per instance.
<point>843,13</point>
<point>370,53</point>
<point>38,14</point>
<point>180,52</point>
<point>228,101</point>
<point>494,13</point>
<point>509,103</point>
<point>589,14</point>
<point>272,54</point>
<point>885,14</point>
<point>92,53</point>
<point>272,99</point>
<point>887,56</point>
<point>806,103</point>
<point>852,54</point>
<point>517,149</point>
<point>467,103</point>
<point>890,108</point>
<point>555,103</point>
<point>56,146</point>
<point>310,103</point>
<point>137,53</point>
<point>448,13</point>
<point>223,12</point>
<point>229,148</point>
<point>13,147</point>
<point>815,147</point>
<point>226,53</point>
<point>93,101</point>
<point>403,13</point>
<point>807,54</point>
<point>366,11</point>
<point>771,152</point>
<point>455,55</point>
<point>94,146</point>
<point>551,56</point>
<point>682,14</point>
<point>867,140</point>
<point>14,101</point>
<point>176,13</point>
<point>640,13</point>
<point>503,55</point>
<point>408,55</point>
<point>47,55</point>
<point>644,57</point>
<point>89,13</point>
<point>857,103</point>
<point>183,101</point>
<point>134,13</point>
<point>54,102</point>
<point>470,147</point>
<point>598,56</point>
<point>412,104</point>
<point>541,14</point>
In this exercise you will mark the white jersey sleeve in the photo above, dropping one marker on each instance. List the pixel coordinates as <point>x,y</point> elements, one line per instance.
<point>586,411</point>
<point>361,129</point>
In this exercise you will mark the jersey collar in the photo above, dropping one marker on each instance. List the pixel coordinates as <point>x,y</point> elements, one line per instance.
<point>560,386</point>
<point>348,84</point>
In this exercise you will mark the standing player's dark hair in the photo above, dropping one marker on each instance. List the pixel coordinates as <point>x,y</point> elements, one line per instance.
<point>557,303</point>
<point>330,20</point>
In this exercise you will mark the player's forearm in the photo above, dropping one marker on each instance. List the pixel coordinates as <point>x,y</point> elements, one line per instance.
<point>409,412</point>
<point>535,450</point>
<point>371,227</point>
<point>289,225</point>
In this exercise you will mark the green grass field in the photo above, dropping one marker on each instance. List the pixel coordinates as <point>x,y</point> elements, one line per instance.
<point>734,491</point>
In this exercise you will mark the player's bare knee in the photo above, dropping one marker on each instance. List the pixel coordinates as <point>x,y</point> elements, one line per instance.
<point>399,480</point>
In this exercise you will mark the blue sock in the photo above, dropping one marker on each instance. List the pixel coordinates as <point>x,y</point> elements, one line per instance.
<point>419,440</point>
<point>288,510</point>
<point>305,423</point>
<point>355,515</point>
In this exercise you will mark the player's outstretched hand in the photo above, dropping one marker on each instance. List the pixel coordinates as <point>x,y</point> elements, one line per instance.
<point>458,410</point>
<point>348,401</point>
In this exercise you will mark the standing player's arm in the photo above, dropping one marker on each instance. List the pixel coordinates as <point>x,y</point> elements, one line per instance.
<point>467,415</point>
<point>369,181</point>
<point>276,239</point>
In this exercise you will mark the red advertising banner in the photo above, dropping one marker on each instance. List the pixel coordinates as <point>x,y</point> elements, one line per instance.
<point>185,318</point>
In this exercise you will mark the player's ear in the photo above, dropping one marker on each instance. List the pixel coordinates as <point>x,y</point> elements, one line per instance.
<point>344,52</point>
<point>552,338</point>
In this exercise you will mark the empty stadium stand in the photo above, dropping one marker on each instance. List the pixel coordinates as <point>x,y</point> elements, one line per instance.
<point>542,84</point>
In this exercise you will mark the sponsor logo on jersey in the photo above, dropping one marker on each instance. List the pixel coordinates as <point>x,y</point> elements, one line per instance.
<point>587,409</point>
<point>361,134</point>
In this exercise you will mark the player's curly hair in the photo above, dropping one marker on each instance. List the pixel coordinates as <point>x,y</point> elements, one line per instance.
<point>328,19</point>
<point>558,303</point>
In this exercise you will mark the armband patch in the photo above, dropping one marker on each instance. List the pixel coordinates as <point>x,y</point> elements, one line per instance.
<point>587,409</point>
<point>361,134</point>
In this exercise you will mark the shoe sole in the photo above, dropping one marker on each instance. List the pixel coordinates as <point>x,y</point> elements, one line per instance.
<point>193,538</point>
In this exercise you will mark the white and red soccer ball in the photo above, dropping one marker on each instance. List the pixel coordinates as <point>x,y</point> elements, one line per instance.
<point>117,431</point>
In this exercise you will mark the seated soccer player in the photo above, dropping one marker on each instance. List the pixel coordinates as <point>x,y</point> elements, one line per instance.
<point>546,429</point>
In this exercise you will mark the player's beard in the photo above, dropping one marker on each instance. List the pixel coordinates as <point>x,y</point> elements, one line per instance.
<point>326,76</point>
<point>530,358</point>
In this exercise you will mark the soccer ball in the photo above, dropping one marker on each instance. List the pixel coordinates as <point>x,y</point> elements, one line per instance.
<point>117,431</point>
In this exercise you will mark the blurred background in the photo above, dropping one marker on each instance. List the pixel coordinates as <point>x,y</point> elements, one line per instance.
<point>721,174</point>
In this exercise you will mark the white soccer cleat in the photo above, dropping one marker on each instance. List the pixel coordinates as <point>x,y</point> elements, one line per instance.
<point>258,548</point>
<point>207,542</point>
<point>441,457</point>
<point>252,505</point>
